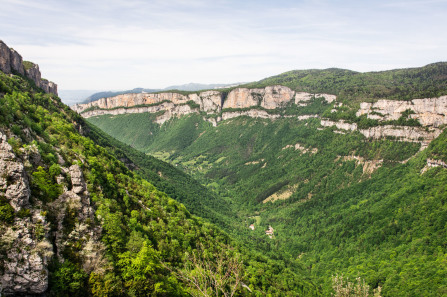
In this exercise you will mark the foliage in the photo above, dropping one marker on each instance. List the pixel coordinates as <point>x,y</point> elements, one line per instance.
<point>379,225</point>
<point>28,65</point>
<point>68,280</point>
<point>212,275</point>
<point>141,227</point>
<point>402,84</point>
<point>6,211</point>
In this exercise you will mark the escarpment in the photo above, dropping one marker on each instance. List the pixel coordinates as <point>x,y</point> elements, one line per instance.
<point>428,111</point>
<point>427,114</point>
<point>12,62</point>
<point>238,102</point>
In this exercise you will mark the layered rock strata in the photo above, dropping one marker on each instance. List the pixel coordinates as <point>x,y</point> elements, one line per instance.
<point>257,101</point>
<point>402,133</point>
<point>12,62</point>
<point>428,111</point>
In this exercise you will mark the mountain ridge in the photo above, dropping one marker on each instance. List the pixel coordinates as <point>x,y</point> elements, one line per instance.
<point>12,62</point>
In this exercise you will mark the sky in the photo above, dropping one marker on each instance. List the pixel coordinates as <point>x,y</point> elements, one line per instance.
<point>124,44</point>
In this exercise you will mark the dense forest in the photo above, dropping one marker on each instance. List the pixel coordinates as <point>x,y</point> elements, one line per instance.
<point>122,206</point>
<point>401,84</point>
<point>337,203</point>
<point>138,241</point>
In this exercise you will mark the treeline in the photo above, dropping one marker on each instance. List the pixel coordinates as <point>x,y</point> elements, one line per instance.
<point>400,84</point>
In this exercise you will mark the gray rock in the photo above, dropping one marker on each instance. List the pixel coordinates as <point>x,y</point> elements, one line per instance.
<point>25,258</point>
<point>11,61</point>
<point>13,180</point>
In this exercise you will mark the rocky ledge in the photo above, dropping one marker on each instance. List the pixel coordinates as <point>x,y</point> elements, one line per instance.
<point>427,111</point>
<point>11,62</point>
<point>254,101</point>
<point>401,133</point>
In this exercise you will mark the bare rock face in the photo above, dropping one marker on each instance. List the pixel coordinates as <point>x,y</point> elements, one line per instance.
<point>242,98</point>
<point>404,133</point>
<point>77,179</point>
<point>48,86</point>
<point>24,248</point>
<point>13,181</point>
<point>176,110</point>
<point>270,97</point>
<point>211,102</point>
<point>33,73</point>
<point>26,254</point>
<point>276,96</point>
<point>11,61</point>
<point>253,113</point>
<point>77,203</point>
<point>340,125</point>
<point>5,58</point>
<point>17,62</point>
<point>428,111</point>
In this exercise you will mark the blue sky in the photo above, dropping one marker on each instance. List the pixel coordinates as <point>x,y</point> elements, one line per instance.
<point>122,44</point>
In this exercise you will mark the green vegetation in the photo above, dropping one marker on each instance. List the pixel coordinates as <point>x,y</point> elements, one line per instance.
<point>28,65</point>
<point>147,236</point>
<point>356,207</point>
<point>402,84</point>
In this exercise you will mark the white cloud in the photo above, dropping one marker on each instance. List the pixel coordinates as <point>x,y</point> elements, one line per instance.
<point>123,44</point>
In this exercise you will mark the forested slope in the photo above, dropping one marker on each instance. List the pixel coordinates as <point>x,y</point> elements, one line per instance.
<point>337,201</point>
<point>75,221</point>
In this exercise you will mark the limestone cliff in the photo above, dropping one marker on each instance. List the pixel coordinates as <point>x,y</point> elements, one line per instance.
<point>402,133</point>
<point>210,102</point>
<point>428,111</point>
<point>12,62</point>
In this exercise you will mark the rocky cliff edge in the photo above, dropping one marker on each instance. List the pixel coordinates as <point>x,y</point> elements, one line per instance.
<point>11,62</point>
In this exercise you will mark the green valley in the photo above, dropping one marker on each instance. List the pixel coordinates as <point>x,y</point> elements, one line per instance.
<point>76,220</point>
<point>336,197</point>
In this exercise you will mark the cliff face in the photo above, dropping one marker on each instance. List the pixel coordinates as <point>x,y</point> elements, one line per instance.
<point>401,133</point>
<point>11,61</point>
<point>428,111</point>
<point>211,102</point>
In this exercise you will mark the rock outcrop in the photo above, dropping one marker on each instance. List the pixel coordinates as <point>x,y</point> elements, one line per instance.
<point>24,247</point>
<point>12,62</point>
<point>256,101</point>
<point>13,181</point>
<point>26,252</point>
<point>402,133</point>
<point>428,111</point>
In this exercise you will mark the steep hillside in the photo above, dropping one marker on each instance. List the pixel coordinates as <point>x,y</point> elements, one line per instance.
<point>75,221</point>
<point>341,187</point>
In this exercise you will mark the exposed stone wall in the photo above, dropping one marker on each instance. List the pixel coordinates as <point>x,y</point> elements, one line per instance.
<point>403,133</point>
<point>211,102</point>
<point>428,111</point>
<point>11,61</point>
